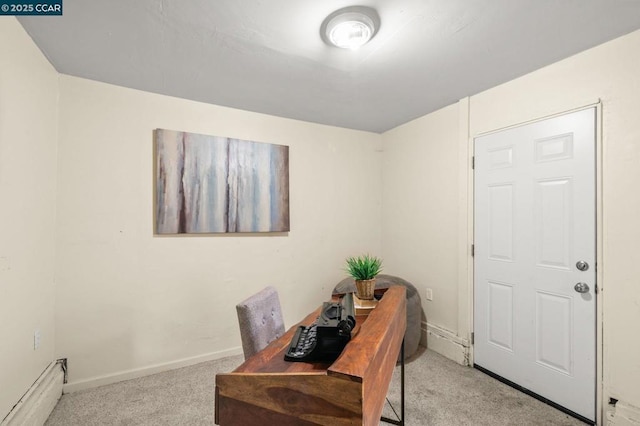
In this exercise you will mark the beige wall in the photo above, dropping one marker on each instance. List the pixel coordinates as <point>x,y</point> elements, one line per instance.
<point>420,207</point>
<point>129,300</point>
<point>28,134</point>
<point>610,73</point>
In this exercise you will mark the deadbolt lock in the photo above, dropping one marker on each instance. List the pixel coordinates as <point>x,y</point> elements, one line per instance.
<point>582,265</point>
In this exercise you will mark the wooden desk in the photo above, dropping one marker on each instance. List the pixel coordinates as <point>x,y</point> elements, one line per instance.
<point>266,389</point>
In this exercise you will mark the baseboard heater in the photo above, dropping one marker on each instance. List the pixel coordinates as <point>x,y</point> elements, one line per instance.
<point>38,402</point>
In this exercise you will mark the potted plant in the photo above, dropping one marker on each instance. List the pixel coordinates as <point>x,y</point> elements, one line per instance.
<point>364,269</point>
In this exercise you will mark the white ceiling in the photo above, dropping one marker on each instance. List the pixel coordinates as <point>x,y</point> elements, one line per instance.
<point>267,55</point>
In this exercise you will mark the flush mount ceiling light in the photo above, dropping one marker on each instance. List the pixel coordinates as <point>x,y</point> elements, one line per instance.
<point>350,27</point>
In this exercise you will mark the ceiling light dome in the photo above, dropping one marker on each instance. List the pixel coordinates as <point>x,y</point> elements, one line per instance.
<point>350,27</point>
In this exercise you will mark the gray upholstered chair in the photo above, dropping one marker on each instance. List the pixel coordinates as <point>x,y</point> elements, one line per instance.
<point>260,319</point>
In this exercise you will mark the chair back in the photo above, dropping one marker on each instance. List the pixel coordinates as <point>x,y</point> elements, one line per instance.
<point>260,320</point>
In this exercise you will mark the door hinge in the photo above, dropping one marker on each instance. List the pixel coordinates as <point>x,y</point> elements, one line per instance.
<point>473,250</point>
<point>473,162</point>
<point>472,338</point>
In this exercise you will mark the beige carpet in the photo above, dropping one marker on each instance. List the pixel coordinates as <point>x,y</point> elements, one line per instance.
<point>438,392</point>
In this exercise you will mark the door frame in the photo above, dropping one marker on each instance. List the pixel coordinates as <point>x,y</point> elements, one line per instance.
<point>468,263</point>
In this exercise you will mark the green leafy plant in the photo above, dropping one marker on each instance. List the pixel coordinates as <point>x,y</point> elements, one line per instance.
<point>363,267</point>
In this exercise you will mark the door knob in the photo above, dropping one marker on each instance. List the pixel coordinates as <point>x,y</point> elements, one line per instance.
<point>581,288</point>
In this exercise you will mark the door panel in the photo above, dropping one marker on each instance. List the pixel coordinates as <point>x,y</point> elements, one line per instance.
<point>534,219</point>
<point>554,331</point>
<point>552,219</point>
<point>501,315</point>
<point>501,222</point>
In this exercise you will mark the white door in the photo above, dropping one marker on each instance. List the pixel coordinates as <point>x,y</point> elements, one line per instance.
<point>534,324</point>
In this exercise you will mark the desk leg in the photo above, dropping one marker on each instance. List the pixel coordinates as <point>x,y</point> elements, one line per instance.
<point>402,386</point>
<point>399,422</point>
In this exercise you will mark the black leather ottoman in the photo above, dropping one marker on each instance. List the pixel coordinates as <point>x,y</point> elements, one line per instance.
<point>414,307</point>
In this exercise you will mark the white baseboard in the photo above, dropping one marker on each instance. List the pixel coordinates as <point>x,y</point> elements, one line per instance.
<point>623,415</point>
<point>36,405</point>
<point>146,371</point>
<point>445,343</point>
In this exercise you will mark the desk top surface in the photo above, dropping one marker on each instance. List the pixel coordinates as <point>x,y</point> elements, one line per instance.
<point>355,358</point>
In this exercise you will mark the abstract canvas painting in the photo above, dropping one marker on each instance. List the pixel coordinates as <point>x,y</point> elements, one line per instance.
<point>212,184</point>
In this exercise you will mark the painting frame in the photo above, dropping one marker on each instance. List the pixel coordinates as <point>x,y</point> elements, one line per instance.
<point>219,185</point>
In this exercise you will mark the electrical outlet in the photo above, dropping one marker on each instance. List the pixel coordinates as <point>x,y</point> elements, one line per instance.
<point>429,294</point>
<point>36,339</point>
